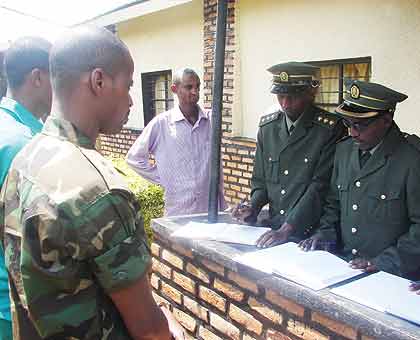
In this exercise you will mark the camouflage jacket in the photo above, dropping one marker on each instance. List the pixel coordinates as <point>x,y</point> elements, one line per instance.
<point>72,234</point>
<point>292,172</point>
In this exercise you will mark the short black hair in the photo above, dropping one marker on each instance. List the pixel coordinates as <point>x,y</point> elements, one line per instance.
<point>24,55</point>
<point>82,50</point>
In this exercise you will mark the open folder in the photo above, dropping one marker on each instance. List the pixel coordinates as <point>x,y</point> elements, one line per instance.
<point>384,292</point>
<point>315,269</point>
<point>222,232</point>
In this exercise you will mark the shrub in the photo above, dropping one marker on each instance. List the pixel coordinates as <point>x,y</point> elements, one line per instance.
<point>150,196</point>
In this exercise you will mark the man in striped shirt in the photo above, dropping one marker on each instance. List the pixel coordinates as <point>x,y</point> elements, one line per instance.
<point>179,140</point>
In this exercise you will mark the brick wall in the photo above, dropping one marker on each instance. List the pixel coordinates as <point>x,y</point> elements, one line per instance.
<point>237,153</point>
<point>213,302</point>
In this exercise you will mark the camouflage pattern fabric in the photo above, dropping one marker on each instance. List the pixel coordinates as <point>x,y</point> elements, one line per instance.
<point>72,234</point>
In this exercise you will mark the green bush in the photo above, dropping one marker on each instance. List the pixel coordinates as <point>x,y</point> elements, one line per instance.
<point>150,196</point>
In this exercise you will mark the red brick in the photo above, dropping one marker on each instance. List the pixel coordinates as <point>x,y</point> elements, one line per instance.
<point>174,260</point>
<point>245,319</point>
<point>195,308</point>
<point>284,303</point>
<point>335,326</point>
<point>185,320</point>
<point>224,326</point>
<point>205,334</point>
<point>229,290</point>
<point>212,298</point>
<point>161,268</point>
<point>275,335</point>
<point>214,267</point>
<point>304,331</point>
<point>198,273</point>
<point>182,251</point>
<point>184,281</point>
<point>158,299</point>
<point>172,293</point>
<point>265,311</point>
<point>243,282</point>
<point>155,249</point>
<point>154,281</point>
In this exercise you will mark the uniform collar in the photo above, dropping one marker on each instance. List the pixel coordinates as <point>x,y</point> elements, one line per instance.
<point>21,114</point>
<point>64,130</point>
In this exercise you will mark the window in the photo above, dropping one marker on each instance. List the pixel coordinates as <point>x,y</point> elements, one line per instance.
<point>157,96</point>
<point>333,74</point>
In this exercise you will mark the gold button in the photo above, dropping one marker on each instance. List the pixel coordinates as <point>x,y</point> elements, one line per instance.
<point>319,118</point>
<point>383,197</point>
<point>282,212</point>
<point>358,184</point>
<point>354,230</point>
<point>325,120</point>
<point>283,192</point>
<point>355,207</point>
<point>354,251</point>
<point>286,172</point>
<point>331,122</point>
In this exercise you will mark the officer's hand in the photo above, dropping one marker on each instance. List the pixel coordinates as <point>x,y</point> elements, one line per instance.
<point>274,237</point>
<point>363,264</point>
<point>415,287</point>
<point>311,243</point>
<point>244,214</point>
<point>177,331</point>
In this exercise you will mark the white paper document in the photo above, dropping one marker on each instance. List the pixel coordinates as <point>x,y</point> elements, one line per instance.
<point>315,269</point>
<point>384,292</point>
<point>222,232</point>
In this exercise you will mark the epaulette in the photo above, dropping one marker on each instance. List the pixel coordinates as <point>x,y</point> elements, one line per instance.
<point>269,118</point>
<point>326,119</point>
<point>413,140</point>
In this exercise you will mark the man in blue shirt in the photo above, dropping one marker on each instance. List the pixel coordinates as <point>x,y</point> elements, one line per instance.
<point>27,102</point>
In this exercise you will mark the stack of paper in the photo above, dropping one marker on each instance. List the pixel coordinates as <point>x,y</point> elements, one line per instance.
<point>222,232</point>
<point>315,269</point>
<point>385,293</point>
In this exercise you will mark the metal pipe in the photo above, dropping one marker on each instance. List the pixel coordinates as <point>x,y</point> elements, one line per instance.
<point>219,66</point>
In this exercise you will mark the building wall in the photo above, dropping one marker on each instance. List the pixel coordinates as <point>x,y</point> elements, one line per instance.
<point>165,40</point>
<point>272,31</point>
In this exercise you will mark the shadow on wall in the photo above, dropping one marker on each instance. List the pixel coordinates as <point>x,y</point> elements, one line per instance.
<point>3,82</point>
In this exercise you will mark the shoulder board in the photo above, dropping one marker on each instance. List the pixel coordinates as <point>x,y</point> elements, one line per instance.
<point>269,118</point>
<point>326,119</point>
<point>413,140</point>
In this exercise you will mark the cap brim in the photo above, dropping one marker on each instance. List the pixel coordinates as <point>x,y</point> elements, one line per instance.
<point>346,111</point>
<point>289,88</point>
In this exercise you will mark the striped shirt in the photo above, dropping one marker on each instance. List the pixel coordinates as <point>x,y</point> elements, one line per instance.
<point>182,154</point>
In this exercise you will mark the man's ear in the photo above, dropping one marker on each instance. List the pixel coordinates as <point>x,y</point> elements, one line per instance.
<point>35,77</point>
<point>174,88</point>
<point>97,80</point>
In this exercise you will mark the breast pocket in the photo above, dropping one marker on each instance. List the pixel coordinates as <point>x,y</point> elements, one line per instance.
<point>343,196</point>
<point>273,169</point>
<point>385,207</point>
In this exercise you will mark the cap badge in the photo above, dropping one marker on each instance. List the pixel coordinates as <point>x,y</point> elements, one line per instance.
<point>284,76</point>
<point>355,92</point>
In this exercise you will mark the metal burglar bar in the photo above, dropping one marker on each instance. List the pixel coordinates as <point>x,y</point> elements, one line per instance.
<point>157,96</point>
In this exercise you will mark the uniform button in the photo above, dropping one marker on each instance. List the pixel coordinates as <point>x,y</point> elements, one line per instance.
<point>355,207</point>
<point>354,230</point>
<point>383,197</point>
<point>358,184</point>
<point>282,212</point>
<point>319,118</point>
<point>325,120</point>
<point>354,251</point>
<point>339,186</point>
<point>286,172</point>
<point>283,192</point>
<point>306,160</point>
<point>269,158</point>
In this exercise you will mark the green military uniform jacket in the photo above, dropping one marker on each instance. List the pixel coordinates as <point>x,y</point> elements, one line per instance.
<point>376,209</point>
<point>72,236</point>
<point>292,172</point>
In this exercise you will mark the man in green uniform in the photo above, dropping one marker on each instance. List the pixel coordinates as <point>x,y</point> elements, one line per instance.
<point>373,205</point>
<point>75,245</point>
<point>294,157</point>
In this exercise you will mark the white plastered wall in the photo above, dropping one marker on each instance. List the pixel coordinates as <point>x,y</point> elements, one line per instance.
<point>165,40</point>
<point>274,31</point>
